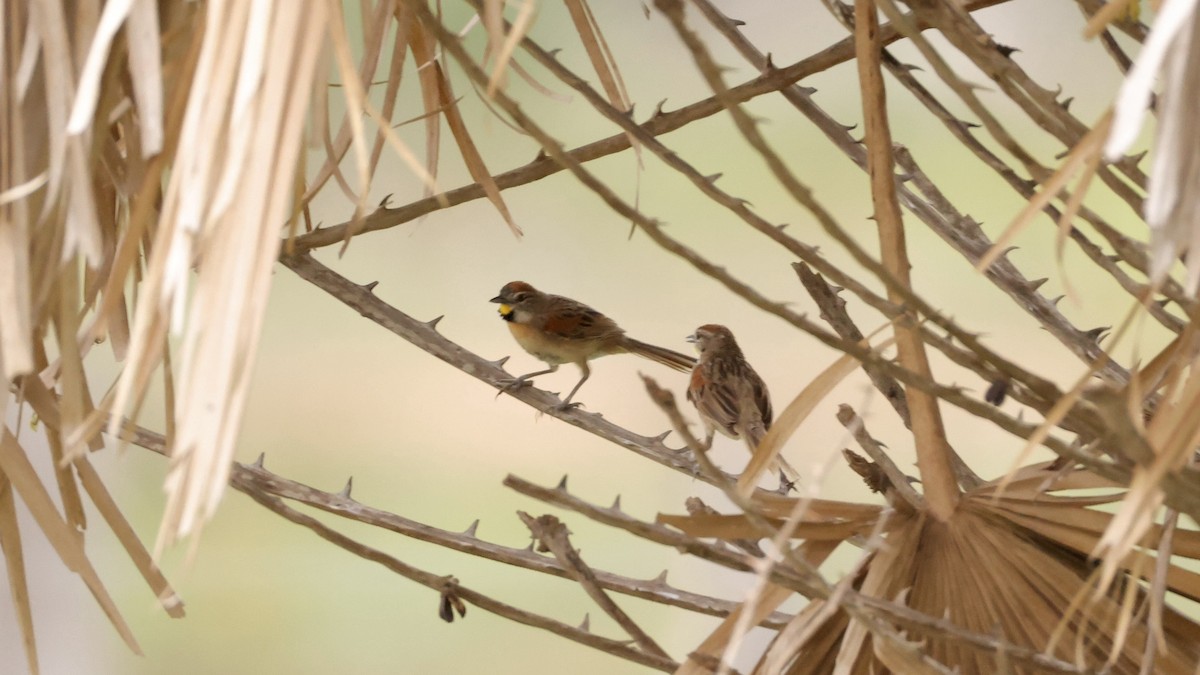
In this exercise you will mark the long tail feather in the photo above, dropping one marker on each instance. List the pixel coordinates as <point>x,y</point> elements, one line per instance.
<point>661,355</point>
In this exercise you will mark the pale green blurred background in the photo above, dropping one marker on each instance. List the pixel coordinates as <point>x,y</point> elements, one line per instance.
<point>335,396</point>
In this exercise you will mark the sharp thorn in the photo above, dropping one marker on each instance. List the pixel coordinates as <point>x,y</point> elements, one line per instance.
<point>616,505</point>
<point>1057,299</point>
<point>345,493</point>
<point>911,67</point>
<point>658,109</point>
<point>1037,283</point>
<point>712,178</point>
<point>258,463</point>
<point>562,484</point>
<point>432,323</point>
<point>1097,333</point>
<point>541,155</point>
<point>808,91</point>
<point>770,64</point>
<point>1066,103</point>
<point>470,531</point>
<point>781,227</point>
<point>499,363</point>
<point>661,437</point>
<point>370,287</point>
<point>1008,250</point>
<point>384,202</point>
<point>586,624</point>
<point>661,579</point>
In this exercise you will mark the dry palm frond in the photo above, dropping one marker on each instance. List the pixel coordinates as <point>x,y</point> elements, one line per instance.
<point>1012,569</point>
<point>1171,208</point>
<point>151,160</point>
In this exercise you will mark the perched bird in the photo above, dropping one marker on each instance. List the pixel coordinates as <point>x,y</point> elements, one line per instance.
<point>730,397</point>
<point>560,330</point>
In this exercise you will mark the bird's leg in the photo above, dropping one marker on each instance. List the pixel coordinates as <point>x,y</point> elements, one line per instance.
<point>587,372</point>
<point>523,380</point>
<point>708,439</point>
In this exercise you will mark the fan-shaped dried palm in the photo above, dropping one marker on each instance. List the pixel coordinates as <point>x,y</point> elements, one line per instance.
<point>1013,566</point>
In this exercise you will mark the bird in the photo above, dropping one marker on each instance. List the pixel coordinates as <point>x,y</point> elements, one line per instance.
<point>727,392</point>
<point>559,330</point>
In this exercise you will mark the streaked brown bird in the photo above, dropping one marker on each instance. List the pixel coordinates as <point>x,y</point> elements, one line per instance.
<point>725,389</point>
<point>560,330</point>
<point>729,395</point>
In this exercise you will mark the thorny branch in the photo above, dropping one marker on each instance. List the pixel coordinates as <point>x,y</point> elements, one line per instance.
<point>652,228</point>
<point>662,122</point>
<point>552,534</point>
<point>446,584</point>
<point>851,600</point>
<point>270,491</point>
<point>1098,420</point>
<point>1089,418</point>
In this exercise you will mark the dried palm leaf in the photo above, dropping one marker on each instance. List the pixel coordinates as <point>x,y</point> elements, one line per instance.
<point>1171,207</point>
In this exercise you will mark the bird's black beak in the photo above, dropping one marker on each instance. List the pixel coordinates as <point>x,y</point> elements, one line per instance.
<point>692,338</point>
<point>498,298</point>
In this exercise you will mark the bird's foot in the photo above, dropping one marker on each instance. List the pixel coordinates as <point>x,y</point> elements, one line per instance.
<point>515,384</point>
<point>567,405</point>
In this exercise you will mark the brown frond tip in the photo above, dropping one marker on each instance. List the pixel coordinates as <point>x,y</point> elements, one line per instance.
<point>997,391</point>
<point>872,474</point>
<point>450,602</point>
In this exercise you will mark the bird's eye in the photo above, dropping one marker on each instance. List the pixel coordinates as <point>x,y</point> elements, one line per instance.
<point>520,297</point>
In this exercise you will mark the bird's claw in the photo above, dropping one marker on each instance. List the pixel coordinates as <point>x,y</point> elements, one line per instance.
<point>515,384</point>
<point>566,406</point>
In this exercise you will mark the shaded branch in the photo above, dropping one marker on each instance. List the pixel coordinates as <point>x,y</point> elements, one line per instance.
<point>444,584</point>
<point>553,536</point>
<point>858,605</point>
<point>260,484</point>
<point>341,504</point>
